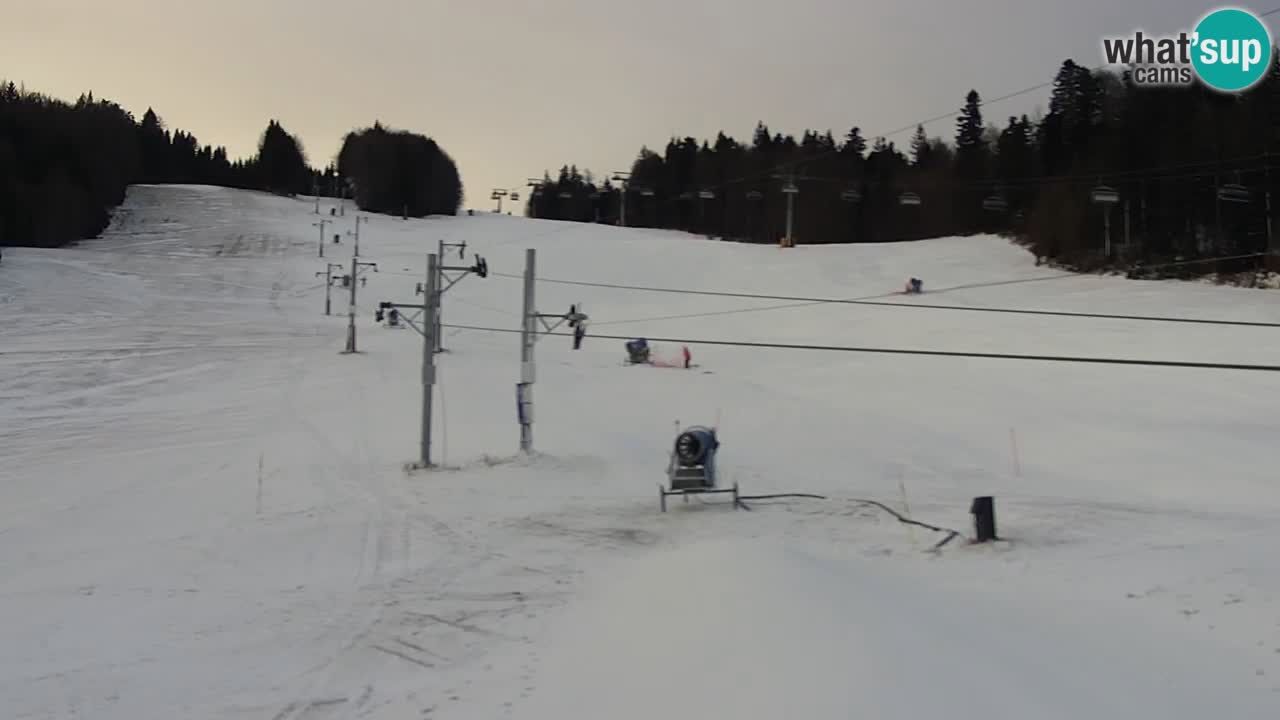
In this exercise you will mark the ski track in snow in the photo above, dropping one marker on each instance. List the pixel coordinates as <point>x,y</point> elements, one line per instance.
<point>206,512</point>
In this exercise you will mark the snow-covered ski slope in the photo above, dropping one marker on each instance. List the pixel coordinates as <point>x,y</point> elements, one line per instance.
<point>204,512</point>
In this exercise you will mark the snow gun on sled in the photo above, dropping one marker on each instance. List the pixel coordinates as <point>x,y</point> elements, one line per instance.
<point>639,352</point>
<point>691,469</point>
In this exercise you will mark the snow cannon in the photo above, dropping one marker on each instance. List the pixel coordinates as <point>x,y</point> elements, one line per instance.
<point>692,466</point>
<point>638,351</point>
<point>696,446</point>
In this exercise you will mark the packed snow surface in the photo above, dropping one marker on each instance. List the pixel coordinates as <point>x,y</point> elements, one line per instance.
<point>206,511</point>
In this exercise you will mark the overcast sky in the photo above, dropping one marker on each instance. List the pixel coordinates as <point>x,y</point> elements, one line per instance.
<point>513,88</point>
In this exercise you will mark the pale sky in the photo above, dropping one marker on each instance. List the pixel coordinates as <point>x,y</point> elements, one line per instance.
<point>511,88</point>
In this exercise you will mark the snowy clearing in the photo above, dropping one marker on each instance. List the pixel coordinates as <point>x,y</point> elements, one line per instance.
<point>205,512</point>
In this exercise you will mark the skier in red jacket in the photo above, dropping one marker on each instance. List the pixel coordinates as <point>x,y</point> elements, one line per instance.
<point>687,357</point>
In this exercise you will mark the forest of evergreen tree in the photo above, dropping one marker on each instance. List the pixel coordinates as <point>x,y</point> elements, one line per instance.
<point>1191,173</point>
<point>64,167</point>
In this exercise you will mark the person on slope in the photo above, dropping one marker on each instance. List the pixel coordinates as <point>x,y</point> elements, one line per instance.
<point>688,358</point>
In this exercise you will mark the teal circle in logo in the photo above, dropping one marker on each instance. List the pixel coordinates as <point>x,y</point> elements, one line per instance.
<point>1232,50</point>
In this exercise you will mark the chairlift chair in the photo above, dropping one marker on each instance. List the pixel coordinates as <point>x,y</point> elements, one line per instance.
<point>995,203</point>
<point>1234,193</point>
<point>1104,195</point>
